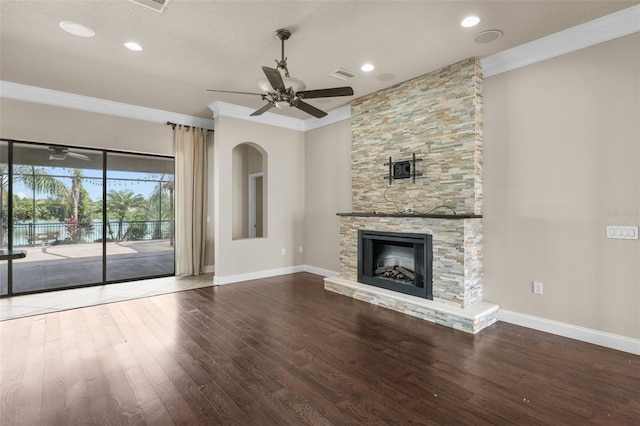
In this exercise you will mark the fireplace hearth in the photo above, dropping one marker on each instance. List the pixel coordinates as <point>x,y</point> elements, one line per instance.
<point>396,261</point>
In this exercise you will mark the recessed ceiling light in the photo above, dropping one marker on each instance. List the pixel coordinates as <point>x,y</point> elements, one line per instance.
<point>132,45</point>
<point>77,29</point>
<point>470,21</point>
<point>367,67</point>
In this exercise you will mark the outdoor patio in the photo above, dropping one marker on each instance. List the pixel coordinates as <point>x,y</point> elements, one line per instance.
<point>58,266</point>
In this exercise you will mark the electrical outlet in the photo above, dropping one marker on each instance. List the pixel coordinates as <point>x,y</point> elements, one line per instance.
<point>300,249</point>
<point>284,251</point>
<point>537,287</point>
<point>622,232</point>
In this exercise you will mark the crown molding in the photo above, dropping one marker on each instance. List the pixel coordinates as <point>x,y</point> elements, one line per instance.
<point>39,95</point>
<point>609,27</point>
<point>224,109</point>
<point>333,116</point>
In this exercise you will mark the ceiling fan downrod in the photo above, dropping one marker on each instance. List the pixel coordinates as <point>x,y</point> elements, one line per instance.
<point>283,35</point>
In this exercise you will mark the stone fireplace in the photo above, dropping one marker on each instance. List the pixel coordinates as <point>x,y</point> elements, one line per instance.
<point>434,123</point>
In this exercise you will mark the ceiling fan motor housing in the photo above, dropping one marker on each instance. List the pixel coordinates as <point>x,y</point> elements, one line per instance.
<point>283,34</point>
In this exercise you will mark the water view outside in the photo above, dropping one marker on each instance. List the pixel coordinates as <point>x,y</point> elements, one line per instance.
<point>140,216</point>
<point>81,224</point>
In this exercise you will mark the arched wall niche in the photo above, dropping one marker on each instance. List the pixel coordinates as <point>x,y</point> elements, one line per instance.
<point>249,191</point>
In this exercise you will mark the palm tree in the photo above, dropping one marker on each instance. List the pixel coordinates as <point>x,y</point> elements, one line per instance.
<point>122,204</point>
<point>76,187</point>
<point>36,179</point>
<point>159,206</point>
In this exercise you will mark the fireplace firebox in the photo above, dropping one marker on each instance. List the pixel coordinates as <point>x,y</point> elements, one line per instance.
<point>396,261</point>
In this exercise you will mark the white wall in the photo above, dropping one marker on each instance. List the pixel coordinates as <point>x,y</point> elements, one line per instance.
<point>43,123</point>
<point>284,199</point>
<point>561,154</point>
<point>328,191</point>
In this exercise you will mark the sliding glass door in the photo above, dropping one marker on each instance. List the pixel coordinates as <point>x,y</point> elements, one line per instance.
<point>57,205</point>
<point>84,216</point>
<point>4,211</point>
<point>139,216</point>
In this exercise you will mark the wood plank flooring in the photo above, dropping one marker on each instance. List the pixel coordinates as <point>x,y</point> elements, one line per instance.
<point>282,351</point>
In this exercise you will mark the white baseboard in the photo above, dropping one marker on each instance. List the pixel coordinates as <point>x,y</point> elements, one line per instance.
<point>229,279</point>
<point>320,271</point>
<point>207,269</point>
<point>613,341</point>
<point>269,273</point>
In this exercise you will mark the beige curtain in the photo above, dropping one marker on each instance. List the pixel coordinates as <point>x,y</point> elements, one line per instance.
<point>190,193</point>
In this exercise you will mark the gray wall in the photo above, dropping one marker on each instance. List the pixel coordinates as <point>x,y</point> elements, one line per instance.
<point>561,154</point>
<point>328,191</point>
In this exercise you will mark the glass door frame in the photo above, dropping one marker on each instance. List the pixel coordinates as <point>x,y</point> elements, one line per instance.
<point>105,153</point>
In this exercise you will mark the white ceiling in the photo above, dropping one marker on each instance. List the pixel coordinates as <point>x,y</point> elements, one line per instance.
<point>199,45</point>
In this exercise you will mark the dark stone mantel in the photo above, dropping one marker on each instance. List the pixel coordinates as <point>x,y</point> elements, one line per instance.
<point>420,215</point>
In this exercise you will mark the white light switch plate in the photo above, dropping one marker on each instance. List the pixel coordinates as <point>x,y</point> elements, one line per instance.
<point>622,232</point>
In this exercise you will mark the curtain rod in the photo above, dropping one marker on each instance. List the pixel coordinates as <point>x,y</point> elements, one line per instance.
<point>173,126</point>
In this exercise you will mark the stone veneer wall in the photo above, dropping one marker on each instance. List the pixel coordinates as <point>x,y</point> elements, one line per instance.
<point>439,117</point>
<point>457,252</point>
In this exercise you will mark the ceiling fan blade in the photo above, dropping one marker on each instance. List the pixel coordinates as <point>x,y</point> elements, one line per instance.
<point>274,77</point>
<point>77,155</point>
<point>326,93</point>
<point>231,91</point>
<point>310,109</point>
<point>262,110</point>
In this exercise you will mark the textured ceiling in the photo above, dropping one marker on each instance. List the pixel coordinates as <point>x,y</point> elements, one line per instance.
<point>199,45</point>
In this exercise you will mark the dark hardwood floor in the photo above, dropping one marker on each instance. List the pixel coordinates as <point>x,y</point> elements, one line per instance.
<point>282,351</point>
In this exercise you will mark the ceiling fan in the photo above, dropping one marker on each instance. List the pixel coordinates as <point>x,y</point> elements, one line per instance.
<point>282,91</point>
<point>60,153</point>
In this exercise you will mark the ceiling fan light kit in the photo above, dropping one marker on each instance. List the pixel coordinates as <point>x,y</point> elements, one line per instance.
<point>293,83</point>
<point>281,90</point>
<point>57,157</point>
<point>61,153</point>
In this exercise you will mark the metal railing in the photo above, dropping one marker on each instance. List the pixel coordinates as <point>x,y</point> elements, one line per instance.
<point>44,233</point>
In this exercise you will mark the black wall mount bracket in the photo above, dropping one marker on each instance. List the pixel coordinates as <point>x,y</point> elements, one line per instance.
<point>405,169</point>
